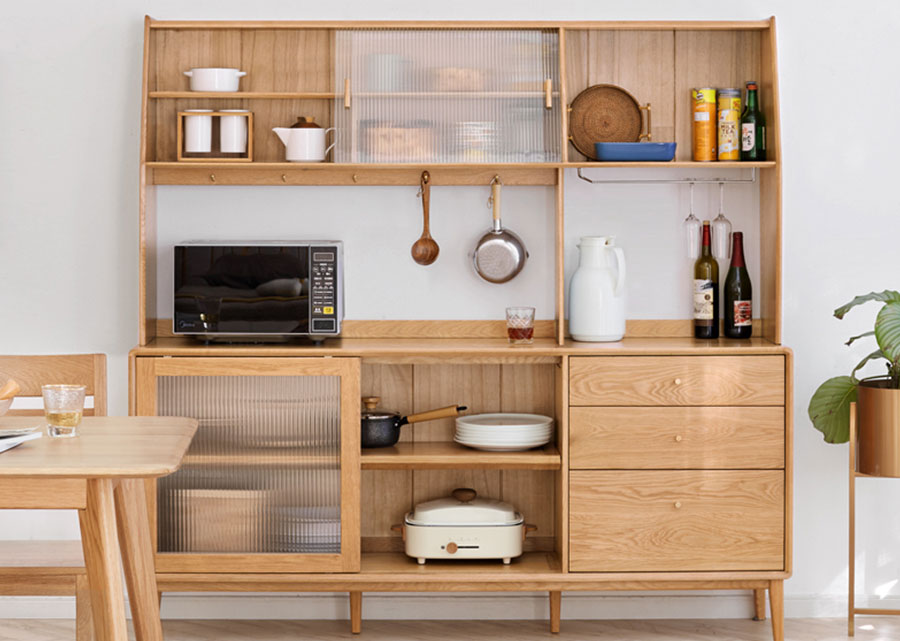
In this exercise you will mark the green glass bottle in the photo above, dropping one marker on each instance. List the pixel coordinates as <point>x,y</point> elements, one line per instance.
<point>738,309</point>
<point>753,127</point>
<point>706,290</point>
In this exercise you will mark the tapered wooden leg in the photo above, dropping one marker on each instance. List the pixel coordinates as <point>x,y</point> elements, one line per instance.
<point>103,562</point>
<point>759,604</point>
<point>84,630</point>
<point>137,557</point>
<point>356,612</point>
<point>555,611</point>
<point>776,605</point>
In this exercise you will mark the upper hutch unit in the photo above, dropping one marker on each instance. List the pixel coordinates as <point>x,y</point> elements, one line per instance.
<point>672,463</point>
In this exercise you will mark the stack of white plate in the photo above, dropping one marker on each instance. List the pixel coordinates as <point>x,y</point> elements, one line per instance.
<point>504,432</point>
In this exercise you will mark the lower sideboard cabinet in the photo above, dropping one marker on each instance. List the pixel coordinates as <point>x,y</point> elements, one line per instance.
<point>679,464</point>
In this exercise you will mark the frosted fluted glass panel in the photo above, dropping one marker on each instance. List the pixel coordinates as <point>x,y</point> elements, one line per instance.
<point>471,96</point>
<point>263,472</point>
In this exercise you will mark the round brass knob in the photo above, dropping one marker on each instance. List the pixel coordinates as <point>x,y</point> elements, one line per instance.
<point>678,381</point>
<point>678,439</point>
<point>452,548</point>
<point>677,505</point>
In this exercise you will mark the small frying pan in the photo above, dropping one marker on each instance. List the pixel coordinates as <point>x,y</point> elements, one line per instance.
<point>500,254</point>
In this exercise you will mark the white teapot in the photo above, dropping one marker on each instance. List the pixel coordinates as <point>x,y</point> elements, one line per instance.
<point>304,141</point>
<point>596,292</point>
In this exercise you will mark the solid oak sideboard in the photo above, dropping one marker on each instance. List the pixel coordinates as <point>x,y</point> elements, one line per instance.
<point>672,463</point>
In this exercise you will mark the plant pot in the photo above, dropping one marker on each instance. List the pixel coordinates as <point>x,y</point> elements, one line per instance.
<point>878,408</point>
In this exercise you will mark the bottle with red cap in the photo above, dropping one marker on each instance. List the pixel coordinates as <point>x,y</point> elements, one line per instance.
<point>738,308</point>
<point>753,127</point>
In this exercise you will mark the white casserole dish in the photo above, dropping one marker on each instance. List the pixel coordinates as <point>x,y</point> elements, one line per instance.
<point>215,79</point>
<point>464,527</point>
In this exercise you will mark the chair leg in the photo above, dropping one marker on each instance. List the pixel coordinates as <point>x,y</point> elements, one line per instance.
<point>759,603</point>
<point>555,611</point>
<point>356,612</point>
<point>84,629</point>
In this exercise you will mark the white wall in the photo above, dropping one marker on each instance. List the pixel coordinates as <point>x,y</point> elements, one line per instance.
<point>70,81</point>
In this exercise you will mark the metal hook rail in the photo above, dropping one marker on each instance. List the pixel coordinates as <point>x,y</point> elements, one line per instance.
<point>671,181</point>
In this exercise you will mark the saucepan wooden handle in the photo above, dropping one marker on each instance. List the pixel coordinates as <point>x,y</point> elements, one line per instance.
<point>398,527</point>
<point>444,412</point>
<point>529,527</point>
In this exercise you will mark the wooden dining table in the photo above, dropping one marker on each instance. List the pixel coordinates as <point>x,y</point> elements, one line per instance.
<point>102,473</point>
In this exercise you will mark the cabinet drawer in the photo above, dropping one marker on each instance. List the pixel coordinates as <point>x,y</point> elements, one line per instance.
<point>676,438</point>
<point>676,380</point>
<point>676,521</point>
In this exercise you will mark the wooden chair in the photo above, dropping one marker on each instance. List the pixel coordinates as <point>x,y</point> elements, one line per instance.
<point>51,568</point>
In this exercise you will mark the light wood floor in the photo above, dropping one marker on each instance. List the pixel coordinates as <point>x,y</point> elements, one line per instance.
<point>868,629</point>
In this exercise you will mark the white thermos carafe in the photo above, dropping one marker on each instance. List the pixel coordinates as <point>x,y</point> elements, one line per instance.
<point>597,291</point>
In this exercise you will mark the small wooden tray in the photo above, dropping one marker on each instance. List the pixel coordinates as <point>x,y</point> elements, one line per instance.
<point>605,113</point>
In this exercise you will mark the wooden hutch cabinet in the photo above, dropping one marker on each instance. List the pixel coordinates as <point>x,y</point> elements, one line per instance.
<point>672,463</point>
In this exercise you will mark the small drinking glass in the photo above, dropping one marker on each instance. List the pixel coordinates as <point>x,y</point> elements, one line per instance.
<point>63,407</point>
<point>520,325</point>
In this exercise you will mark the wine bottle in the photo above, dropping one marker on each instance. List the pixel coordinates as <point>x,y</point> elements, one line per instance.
<point>706,290</point>
<point>753,127</point>
<point>738,309</point>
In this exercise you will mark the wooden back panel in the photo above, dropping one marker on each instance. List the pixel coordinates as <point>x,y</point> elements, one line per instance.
<point>30,372</point>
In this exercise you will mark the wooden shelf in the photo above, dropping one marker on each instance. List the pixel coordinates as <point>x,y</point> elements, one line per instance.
<point>293,457</point>
<point>469,350</point>
<point>452,456</point>
<point>672,164</point>
<point>329,173</point>
<point>246,95</point>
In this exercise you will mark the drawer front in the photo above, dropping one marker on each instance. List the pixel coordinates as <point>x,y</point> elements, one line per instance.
<point>676,521</point>
<point>676,438</point>
<point>676,380</point>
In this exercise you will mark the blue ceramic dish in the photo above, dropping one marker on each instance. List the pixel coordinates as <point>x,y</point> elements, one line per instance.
<point>634,151</point>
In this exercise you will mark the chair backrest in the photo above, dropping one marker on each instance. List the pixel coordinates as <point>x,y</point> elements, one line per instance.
<point>30,372</point>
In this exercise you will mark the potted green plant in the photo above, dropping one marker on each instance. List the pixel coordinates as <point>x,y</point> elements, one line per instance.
<point>878,397</point>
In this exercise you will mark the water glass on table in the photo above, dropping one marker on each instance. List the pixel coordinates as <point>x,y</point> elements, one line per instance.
<point>63,407</point>
<point>520,325</point>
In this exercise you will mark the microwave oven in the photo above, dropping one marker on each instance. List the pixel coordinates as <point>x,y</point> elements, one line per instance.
<point>257,291</point>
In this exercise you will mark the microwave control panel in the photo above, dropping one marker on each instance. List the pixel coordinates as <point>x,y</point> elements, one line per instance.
<point>324,290</point>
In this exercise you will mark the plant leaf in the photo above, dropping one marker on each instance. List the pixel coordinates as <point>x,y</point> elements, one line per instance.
<point>887,296</point>
<point>856,338</point>
<point>829,408</point>
<point>887,331</point>
<point>876,354</point>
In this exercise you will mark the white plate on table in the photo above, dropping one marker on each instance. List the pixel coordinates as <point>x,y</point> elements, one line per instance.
<point>18,431</point>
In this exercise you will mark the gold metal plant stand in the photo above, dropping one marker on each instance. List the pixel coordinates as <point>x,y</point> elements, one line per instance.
<point>852,610</point>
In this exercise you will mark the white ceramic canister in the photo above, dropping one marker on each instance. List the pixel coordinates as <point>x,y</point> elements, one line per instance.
<point>304,141</point>
<point>597,291</point>
<point>198,131</point>
<point>233,132</point>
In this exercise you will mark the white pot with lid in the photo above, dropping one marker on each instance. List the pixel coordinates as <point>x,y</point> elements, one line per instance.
<point>463,526</point>
<point>215,79</point>
<point>304,141</point>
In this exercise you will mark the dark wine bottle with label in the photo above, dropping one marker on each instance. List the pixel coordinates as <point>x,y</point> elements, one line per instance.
<point>706,290</point>
<point>753,127</point>
<point>738,308</point>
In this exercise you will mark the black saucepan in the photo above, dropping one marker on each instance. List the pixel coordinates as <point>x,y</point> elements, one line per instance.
<point>381,428</point>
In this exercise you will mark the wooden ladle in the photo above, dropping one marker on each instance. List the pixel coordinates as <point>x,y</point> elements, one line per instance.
<point>425,250</point>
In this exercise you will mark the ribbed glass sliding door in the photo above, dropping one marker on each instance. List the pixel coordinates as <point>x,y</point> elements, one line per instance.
<point>447,96</point>
<point>266,472</point>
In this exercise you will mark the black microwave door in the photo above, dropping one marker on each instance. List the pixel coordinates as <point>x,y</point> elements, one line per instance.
<point>241,289</point>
